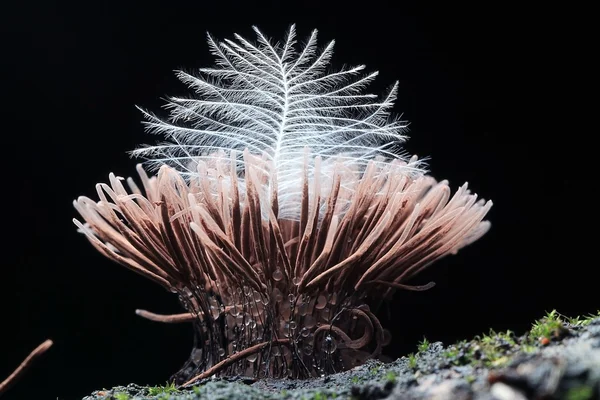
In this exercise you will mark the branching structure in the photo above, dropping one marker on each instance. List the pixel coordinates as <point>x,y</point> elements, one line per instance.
<point>277,217</point>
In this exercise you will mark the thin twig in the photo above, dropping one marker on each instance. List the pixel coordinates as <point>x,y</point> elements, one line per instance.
<point>167,319</point>
<point>172,318</point>
<point>12,378</point>
<point>233,358</point>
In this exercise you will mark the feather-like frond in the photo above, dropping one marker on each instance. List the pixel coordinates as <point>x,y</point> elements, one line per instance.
<point>280,103</point>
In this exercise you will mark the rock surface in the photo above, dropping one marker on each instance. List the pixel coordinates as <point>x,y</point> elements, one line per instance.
<point>558,359</point>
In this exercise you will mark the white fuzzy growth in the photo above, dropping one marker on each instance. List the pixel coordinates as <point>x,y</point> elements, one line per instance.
<point>276,101</point>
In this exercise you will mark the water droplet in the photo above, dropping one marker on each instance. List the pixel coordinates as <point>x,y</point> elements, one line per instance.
<point>257,296</point>
<point>257,309</point>
<point>303,309</point>
<point>252,357</point>
<point>321,302</point>
<point>333,299</point>
<point>229,320</point>
<point>308,350</point>
<point>293,325</point>
<point>296,280</point>
<point>304,332</point>
<point>329,344</point>
<point>221,352</point>
<point>234,311</point>
<point>292,298</point>
<point>285,310</point>
<point>197,356</point>
<point>276,351</point>
<point>277,275</point>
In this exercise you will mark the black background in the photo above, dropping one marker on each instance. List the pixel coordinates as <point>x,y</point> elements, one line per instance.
<point>484,90</point>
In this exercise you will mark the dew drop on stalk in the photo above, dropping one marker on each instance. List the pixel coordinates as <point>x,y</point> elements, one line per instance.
<point>277,295</point>
<point>234,310</point>
<point>303,309</point>
<point>239,319</point>
<point>329,344</point>
<point>333,299</point>
<point>321,302</point>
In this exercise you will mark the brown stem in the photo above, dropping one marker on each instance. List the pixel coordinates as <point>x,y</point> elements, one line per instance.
<point>414,288</point>
<point>172,318</point>
<point>167,319</point>
<point>233,358</point>
<point>41,349</point>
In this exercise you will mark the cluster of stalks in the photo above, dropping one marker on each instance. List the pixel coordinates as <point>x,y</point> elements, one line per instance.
<point>271,296</point>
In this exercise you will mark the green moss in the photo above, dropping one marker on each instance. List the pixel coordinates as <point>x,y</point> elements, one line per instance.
<point>548,327</point>
<point>496,349</point>
<point>390,376</point>
<point>583,321</point>
<point>423,345</point>
<point>490,350</point>
<point>451,352</point>
<point>320,395</point>
<point>580,393</point>
<point>168,388</point>
<point>412,360</point>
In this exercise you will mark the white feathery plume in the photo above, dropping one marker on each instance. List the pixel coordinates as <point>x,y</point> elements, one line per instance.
<point>280,103</point>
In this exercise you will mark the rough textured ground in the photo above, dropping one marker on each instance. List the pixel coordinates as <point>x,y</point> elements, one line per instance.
<point>558,359</point>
